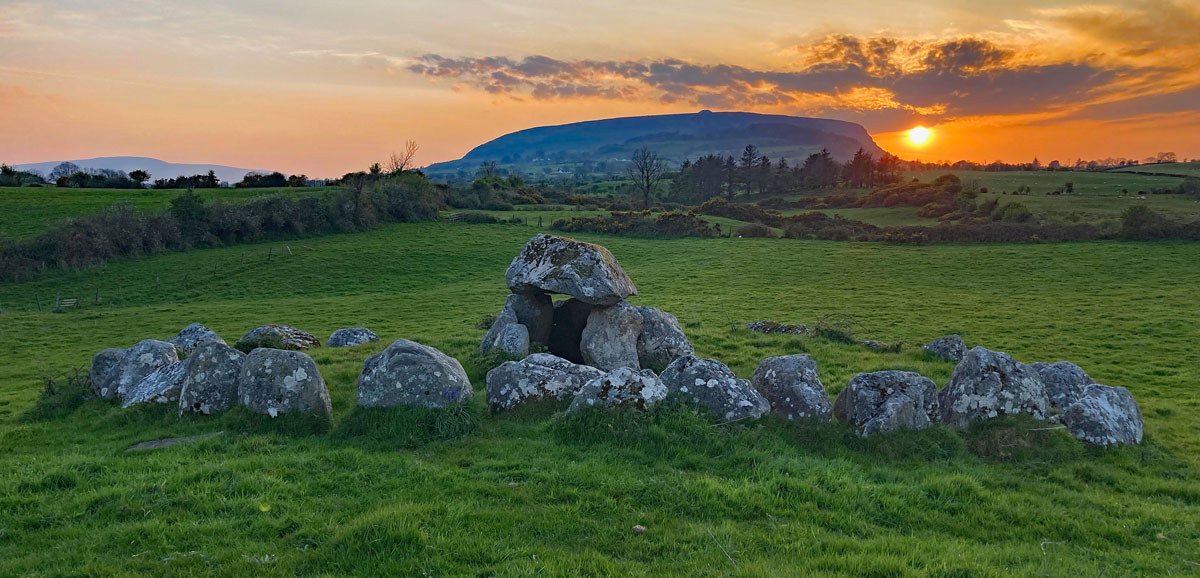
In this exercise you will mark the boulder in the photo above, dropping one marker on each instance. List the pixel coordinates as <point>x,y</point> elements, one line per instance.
<point>211,379</point>
<point>570,317</point>
<point>551,264</point>
<point>506,318</point>
<point>537,377</point>
<point>1064,382</point>
<point>276,382</point>
<point>950,348</point>
<point>513,340</point>
<point>986,384</point>
<point>791,385</point>
<point>535,311</point>
<point>1104,416</point>
<point>351,337</point>
<point>141,360</point>
<point>161,386</point>
<point>711,385</point>
<point>276,337</point>
<point>887,401</point>
<point>103,372</point>
<point>774,327</point>
<point>622,389</point>
<point>408,373</point>
<point>610,338</point>
<point>662,339</point>
<point>194,336</point>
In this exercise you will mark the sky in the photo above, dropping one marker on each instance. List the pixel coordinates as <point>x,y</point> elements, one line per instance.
<point>321,88</point>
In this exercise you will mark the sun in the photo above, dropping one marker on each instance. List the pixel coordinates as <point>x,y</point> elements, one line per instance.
<point>919,135</point>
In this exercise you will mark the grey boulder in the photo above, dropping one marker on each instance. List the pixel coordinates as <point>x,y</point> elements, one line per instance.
<point>791,385</point>
<point>351,337</point>
<point>610,338</point>
<point>103,372</point>
<point>194,336</point>
<point>662,339</point>
<point>277,337</point>
<point>535,311</point>
<point>537,377</point>
<point>1104,416</point>
<point>139,361</point>
<point>987,384</point>
<point>277,382</point>
<point>551,264</point>
<point>161,386</point>
<point>887,401</point>
<point>502,322</point>
<point>774,327</point>
<point>408,373</point>
<point>621,389</point>
<point>211,379</point>
<point>950,348</point>
<point>513,340</point>
<point>1064,382</point>
<point>711,385</point>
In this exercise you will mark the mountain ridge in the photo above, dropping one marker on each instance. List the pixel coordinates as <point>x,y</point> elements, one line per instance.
<point>158,169</point>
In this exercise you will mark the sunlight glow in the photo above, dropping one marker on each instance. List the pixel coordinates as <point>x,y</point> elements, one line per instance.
<point>919,135</point>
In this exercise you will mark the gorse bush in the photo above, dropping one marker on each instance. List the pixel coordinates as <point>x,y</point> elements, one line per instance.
<point>669,224</point>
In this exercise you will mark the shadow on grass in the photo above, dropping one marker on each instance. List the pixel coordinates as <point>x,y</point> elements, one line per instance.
<point>407,427</point>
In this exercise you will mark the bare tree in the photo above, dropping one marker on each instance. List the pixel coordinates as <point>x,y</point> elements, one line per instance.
<point>646,170</point>
<point>487,169</point>
<point>403,161</point>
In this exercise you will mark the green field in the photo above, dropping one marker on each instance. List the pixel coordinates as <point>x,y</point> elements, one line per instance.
<point>532,493</point>
<point>1085,183</point>
<point>1188,169</point>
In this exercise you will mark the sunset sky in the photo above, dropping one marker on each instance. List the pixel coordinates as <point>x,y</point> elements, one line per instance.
<point>324,88</point>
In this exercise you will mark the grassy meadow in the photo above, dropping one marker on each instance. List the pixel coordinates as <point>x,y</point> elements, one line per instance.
<point>419,493</point>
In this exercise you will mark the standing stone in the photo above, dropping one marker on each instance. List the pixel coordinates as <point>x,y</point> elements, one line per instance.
<point>141,360</point>
<point>610,338</point>
<point>662,339</point>
<point>537,377</point>
<point>986,384</point>
<point>408,373</point>
<point>1064,381</point>
<point>161,386</point>
<point>621,389</point>
<point>535,311</point>
<point>277,337</point>
<point>570,317</point>
<point>791,385</point>
<point>1104,416</point>
<point>950,348</point>
<point>103,372</point>
<point>351,337</point>
<point>887,401</point>
<point>502,322</point>
<point>711,385</point>
<point>194,336</point>
<point>550,264</point>
<point>275,382</point>
<point>211,379</point>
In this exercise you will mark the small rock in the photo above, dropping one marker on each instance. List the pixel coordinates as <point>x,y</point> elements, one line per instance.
<point>1104,416</point>
<point>711,385</point>
<point>506,318</point>
<point>537,377</point>
<point>194,336</point>
<point>161,386</point>
<point>275,382</point>
<point>986,384</point>
<point>168,442</point>
<point>211,379</point>
<point>551,264</point>
<point>791,385</point>
<point>774,327</point>
<point>277,337</point>
<point>638,530</point>
<point>1064,382</point>
<point>662,339</point>
<point>351,337</point>
<point>887,401</point>
<point>623,389</point>
<point>610,338</point>
<point>950,348</point>
<point>408,373</point>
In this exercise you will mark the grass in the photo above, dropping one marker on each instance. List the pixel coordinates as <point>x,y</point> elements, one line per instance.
<point>1187,169</point>
<point>404,492</point>
<point>1085,183</point>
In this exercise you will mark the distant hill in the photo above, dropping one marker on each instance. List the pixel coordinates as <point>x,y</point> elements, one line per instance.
<point>157,169</point>
<point>675,137</point>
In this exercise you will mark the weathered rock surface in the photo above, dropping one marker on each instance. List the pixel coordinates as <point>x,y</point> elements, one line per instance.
<point>138,362</point>
<point>350,337</point>
<point>535,311</point>
<point>277,337</point>
<point>623,389</point>
<point>950,348</point>
<point>711,385</point>
<point>168,442</point>
<point>103,372</point>
<point>773,327</point>
<point>662,339</point>
<point>791,385</point>
<point>570,317</point>
<point>610,338</point>
<point>1104,416</point>
<point>987,384</point>
<point>887,401</point>
<point>161,386</point>
<point>408,373</point>
<point>561,265</point>
<point>211,379</point>
<point>1064,382</point>
<point>514,340</point>
<point>537,377</point>
<point>277,382</point>
<point>194,336</point>
<point>506,318</point>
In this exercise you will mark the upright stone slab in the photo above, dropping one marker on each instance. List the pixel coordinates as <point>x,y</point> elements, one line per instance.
<point>535,311</point>
<point>193,336</point>
<point>161,386</point>
<point>141,360</point>
<point>710,384</point>
<point>791,385</point>
<point>276,382</point>
<point>277,337</point>
<point>986,384</point>
<point>1104,416</point>
<point>662,340</point>
<point>408,373</point>
<point>103,372</point>
<point>210,384</point>
<point>610,338</point>
<point>1064,382</point>
<point>540,376</point>
<point>622,389</point>
<point>351,337</point>
<point>887,401</point>
<point>551,264</point>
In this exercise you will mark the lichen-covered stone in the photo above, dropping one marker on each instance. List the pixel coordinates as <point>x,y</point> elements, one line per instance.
<point>711,385</point>
<point>774,327</point>
<point>791,385</point>
<point>103,372</point>
<point>887,401</point>
<point>514,340</point>
<point>1104,416</point>
<point>662,339</point>
<point>584,271</point>
<point>950,348</point>
<point>506,318</point>
<point>276,382</point>
<point>1064,382</point>
<point>535,311</point>
<point>211,379</point>
<point>161,386</point>
<point>139,361</point>
<point>351,337</point>
<point>408,373</point>
<point>986,384</point>
<point>277,337</point>
<point>621,389</point>
<point>194,336</point>
<point>610,338</point>
<point>537,377</point>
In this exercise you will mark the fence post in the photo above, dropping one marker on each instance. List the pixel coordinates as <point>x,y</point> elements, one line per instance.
<point>270,252</point>
<point>39,301</point>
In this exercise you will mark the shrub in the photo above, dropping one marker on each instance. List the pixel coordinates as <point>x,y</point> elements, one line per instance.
<point>61,395</point>
<point>670,224</point>
<point>754,230</point>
